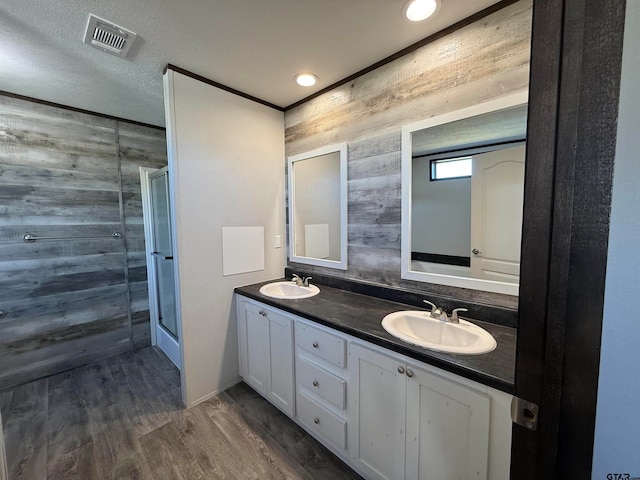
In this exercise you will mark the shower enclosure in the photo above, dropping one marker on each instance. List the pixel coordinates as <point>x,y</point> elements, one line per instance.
<point>160,265</point>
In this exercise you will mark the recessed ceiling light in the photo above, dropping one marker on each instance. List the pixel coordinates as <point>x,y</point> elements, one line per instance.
<point>419,10</point>
<point>306,79</point>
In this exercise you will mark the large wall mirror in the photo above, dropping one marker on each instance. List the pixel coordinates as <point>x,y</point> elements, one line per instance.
<point>462,194</point>
<point>318,207</point>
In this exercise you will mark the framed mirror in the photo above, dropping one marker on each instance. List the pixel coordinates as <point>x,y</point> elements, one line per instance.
<point>462,196</point>
<point>318,207</point>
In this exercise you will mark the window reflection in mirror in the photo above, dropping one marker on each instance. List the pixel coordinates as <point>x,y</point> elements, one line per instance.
<point>317,207</point>
<point>463,186</point>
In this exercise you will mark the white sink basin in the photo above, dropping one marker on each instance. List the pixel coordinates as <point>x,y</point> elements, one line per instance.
<point>418,328</point>
<point>288,290</point>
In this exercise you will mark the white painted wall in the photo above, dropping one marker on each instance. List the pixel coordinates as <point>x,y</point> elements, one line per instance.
<point>317,199</point>
<point>441,213</point>
<point>225,159</point>
<point>617,436</point>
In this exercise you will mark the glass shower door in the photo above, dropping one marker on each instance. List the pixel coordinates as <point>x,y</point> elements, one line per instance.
<point>163,251</point>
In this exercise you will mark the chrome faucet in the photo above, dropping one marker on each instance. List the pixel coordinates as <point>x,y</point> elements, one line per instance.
<point>437,312</point>
<point>301,282</point>
<point>441,314</point>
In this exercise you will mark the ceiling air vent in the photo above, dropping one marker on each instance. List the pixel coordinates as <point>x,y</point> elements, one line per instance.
<point>108,36</point>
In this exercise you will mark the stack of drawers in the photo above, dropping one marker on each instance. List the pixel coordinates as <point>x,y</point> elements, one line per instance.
<point>321,386</point>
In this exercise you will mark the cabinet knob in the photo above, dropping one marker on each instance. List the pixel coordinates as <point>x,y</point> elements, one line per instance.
<point>316,420</point>
<point>409,373</point>
<point>400,369</point>
<point>315,344</point>
<point>315,383</point>
<point>263,313</point>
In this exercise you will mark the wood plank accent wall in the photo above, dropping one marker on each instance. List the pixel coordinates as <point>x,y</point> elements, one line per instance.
<point>69,174</point>
<point>479,62</point>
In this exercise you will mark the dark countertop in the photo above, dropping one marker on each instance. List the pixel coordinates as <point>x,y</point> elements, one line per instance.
<point>361,316</point>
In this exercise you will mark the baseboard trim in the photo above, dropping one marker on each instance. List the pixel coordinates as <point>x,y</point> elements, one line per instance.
<point>214,393</point>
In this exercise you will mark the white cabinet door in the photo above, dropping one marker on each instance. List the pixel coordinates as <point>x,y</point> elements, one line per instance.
<point>377,399</point>
<point>265,343</point>
<point>281,385</point>
<point>447,429</point>
<point>406,422</point>
<point>256,347</point>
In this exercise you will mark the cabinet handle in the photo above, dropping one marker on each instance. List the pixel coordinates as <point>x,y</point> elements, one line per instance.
<point>263,313</point>
<point>315,383</point>
<point>409,373</point>
<point>316,420</point>
<point>400,369</point>
<point>315,344</point>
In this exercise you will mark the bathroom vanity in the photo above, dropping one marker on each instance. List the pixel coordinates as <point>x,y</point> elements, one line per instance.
<point>388,409</point>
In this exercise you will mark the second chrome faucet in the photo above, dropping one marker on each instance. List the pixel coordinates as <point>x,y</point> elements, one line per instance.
<point>441,314</point>
<point>301,281</point>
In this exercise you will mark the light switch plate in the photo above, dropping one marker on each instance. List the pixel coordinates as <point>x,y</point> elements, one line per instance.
<point>278,241</point>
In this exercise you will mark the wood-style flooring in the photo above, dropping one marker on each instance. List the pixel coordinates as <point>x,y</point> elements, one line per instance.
<point>121,418</point>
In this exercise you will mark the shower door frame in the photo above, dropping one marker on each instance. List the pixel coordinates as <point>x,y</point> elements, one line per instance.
<point>159,336</point>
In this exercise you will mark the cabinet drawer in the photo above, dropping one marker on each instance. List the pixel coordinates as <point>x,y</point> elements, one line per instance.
<point>322,421</point>
<point>321,382</point>
<point>325,345</point>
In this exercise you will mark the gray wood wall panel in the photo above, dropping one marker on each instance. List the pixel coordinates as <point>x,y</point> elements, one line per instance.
<point>476,63</point>
<point>72,300</point>
<point>29,316</point>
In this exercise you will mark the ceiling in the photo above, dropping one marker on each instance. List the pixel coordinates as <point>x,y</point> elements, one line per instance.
<point>255,46</point>
<point>500,126</point>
